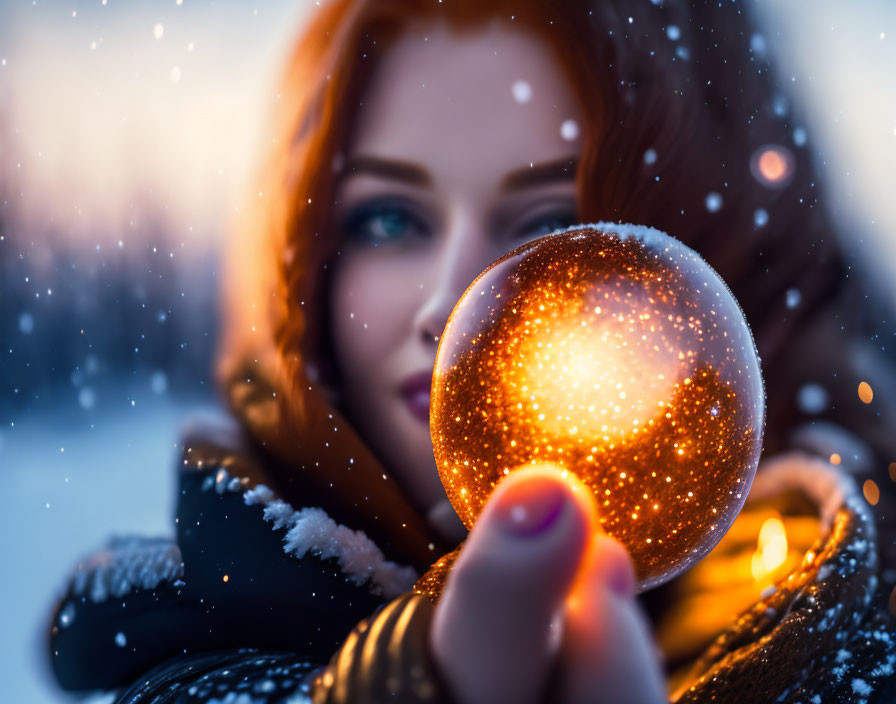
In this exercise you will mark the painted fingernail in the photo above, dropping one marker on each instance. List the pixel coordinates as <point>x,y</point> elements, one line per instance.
<point>616,566</point>
<point>527,509</point>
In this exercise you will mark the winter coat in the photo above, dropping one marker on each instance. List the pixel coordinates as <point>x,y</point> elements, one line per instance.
<point>264,599</point>
<point>246,570</point>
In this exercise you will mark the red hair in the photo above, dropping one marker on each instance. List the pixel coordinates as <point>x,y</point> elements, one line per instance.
<point>698,99</point>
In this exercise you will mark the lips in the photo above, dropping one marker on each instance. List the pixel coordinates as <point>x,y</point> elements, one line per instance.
<point>414,392</point>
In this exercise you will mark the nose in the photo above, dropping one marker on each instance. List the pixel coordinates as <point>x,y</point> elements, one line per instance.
<point>432,318</point>
<point>462,256</point>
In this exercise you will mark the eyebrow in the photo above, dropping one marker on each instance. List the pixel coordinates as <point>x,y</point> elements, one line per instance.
<point>391,169</point>
<point>406,172</point>
<point>540,174</point>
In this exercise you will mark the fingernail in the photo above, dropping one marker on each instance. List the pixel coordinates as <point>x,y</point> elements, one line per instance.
<point>616,566</point>
<point>621,583</point>
<point>529,508</point>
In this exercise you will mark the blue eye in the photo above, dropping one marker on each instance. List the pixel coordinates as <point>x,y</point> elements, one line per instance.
<point>546,224</point>
<point>382,222</point>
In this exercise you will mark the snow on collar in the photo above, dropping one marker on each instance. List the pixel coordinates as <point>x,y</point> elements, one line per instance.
<point>311,529</point>
<point>127,562</point>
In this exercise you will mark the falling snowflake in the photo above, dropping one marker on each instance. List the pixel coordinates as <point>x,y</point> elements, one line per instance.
<point>522,91</point>
<point>569,130</point>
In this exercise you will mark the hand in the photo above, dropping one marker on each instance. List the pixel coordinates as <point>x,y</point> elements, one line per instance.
<point>537,586</point>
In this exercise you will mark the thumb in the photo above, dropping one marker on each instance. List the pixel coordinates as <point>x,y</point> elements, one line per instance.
<point>491,632</point>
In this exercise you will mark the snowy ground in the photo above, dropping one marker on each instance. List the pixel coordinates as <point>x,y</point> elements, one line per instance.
<point>72,477</point>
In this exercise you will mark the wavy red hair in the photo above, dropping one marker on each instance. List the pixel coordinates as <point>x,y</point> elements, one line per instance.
<point>702,103</point>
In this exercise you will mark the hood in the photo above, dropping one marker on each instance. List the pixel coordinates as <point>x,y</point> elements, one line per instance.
<point>786,270</point>
<point>308,441</point>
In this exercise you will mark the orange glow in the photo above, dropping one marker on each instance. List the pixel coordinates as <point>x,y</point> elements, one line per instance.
<point>596,374</point>
<point>835,458</point>
<point>771,551</point>
<point>624,361</point>
<point>773,165</point>
<point>893,471</point>
<point>226,578</point>
<point>871,492</point>
<point>866,394</point>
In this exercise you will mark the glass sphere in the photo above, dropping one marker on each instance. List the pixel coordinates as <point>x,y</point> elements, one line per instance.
<point>616,352</point>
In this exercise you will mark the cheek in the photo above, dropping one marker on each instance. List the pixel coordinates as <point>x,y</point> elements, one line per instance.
<point>372,303</point>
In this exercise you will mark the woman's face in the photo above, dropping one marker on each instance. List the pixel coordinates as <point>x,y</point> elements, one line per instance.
<point>464,148</point>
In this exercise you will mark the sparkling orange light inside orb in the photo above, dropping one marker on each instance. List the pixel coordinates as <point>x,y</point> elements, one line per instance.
<point>618,353</point>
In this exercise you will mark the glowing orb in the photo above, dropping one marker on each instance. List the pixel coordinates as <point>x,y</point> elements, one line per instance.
<point>618,353</point>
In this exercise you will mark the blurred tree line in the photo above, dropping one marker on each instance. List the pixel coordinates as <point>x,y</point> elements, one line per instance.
<point>80,314</point>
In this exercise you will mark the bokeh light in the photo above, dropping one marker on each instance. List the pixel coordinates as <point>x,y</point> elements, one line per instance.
<point>771,551</point>
<point>773,165</point>
<point>871,492</point>
<point>866,393</point>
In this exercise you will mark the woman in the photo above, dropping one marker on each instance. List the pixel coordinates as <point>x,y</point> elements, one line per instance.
<point>399,169</point>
